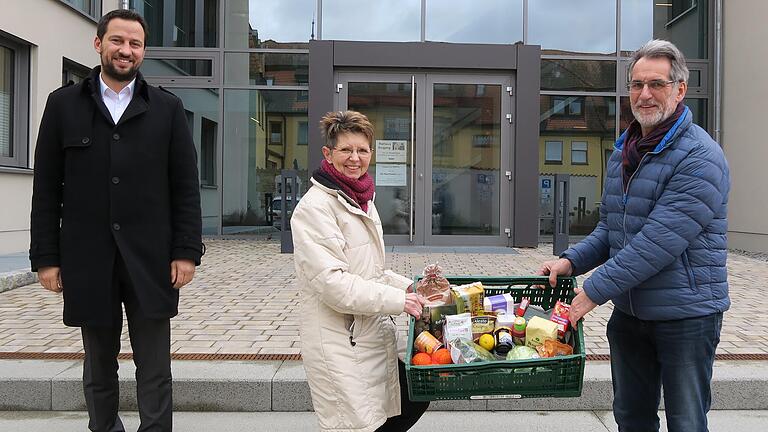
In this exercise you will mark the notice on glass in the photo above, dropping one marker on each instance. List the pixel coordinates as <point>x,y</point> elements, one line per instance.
<point>391,151</point>
<point>390,175</point>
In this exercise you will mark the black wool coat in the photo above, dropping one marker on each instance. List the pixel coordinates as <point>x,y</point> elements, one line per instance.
<point>102,188</point>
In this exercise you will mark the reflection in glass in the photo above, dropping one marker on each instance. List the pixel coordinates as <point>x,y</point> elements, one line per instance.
<point>201,106</point>
<point>269,23</point>
<point>466,141</point>
<point>156,67</point>
<point>684,23</point>
<point>6,101</point>
<point>698,110</point>
<point>180,23</point>
<point>266,69</point>
<point>388,107</point>
<point>578,75</point>
<point>561,26</point>
<point>490,21</point>
<point>261,137</point>
<point>587,139</point>
<point>393,20</point>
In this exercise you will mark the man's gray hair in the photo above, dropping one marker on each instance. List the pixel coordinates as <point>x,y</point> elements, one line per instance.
<point>661,48</point>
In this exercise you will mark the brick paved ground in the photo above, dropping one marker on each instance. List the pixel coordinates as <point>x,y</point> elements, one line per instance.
<point>243,301</point>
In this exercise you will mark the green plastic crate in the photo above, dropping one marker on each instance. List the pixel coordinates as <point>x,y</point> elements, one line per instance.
<point>548,377</point>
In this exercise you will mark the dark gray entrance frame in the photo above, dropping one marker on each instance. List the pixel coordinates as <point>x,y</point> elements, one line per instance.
<point>327,56</point>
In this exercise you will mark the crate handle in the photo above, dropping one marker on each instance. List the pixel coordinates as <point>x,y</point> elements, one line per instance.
<point>487,397</point>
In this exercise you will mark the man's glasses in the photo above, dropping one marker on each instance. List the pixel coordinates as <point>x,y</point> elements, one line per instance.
<point>653,85</point>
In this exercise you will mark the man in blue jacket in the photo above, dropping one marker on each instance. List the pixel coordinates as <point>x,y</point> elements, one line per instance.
<point>660,250</point>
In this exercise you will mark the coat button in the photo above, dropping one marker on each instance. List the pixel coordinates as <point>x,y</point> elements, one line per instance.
<point>115,180</point>
<point>116,136</point>
<point>116,226</point>
<point>86,140</point>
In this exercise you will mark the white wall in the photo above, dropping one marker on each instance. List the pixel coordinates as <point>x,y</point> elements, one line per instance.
<point>744,88</point>
<point>55,31</point>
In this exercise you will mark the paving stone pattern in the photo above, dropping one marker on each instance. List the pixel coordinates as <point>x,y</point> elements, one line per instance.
<point>244,301</point>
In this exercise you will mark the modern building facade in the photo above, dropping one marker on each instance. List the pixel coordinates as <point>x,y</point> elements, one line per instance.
<point>476,105</point>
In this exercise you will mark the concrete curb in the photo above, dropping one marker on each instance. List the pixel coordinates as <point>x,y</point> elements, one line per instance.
<point>16,278</point>
<point>281,386</point>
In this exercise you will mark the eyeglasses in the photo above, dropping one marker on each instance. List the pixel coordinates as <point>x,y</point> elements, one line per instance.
<point>653,85</point>
<point>362,153</point>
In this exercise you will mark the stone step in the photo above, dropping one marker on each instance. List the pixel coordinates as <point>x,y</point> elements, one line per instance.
<point>281,386</point>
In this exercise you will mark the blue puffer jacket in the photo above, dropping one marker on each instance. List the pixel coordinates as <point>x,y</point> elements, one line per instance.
<point>662,245</point>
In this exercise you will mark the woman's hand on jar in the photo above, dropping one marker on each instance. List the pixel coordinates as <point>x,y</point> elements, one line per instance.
<point>414,304</point>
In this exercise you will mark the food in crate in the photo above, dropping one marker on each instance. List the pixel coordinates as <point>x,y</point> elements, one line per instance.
<point>466,351</point>
<point>434,286</point>
<point>469,298</point>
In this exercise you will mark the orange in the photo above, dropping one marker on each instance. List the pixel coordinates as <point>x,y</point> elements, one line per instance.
<point>441,356</point>
<point>421,359</point>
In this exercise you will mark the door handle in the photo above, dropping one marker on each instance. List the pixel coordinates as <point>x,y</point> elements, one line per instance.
<point>413,155</point>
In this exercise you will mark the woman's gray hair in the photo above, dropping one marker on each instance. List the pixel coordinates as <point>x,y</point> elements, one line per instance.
<point>661,48</point>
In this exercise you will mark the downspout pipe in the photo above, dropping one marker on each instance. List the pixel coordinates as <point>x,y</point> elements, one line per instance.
<point>718,66</point>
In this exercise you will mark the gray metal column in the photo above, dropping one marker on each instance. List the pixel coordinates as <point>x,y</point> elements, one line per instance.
<point>562,219</point>
<point>290,181</point>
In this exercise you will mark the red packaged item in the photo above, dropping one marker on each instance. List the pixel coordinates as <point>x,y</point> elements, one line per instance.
<point>524,302</point>
<point>560,316</point>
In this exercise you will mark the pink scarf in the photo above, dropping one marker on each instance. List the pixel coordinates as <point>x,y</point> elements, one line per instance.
<point>360,189</point>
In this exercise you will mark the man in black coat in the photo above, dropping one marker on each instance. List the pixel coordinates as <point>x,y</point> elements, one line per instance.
<point>116,219</point>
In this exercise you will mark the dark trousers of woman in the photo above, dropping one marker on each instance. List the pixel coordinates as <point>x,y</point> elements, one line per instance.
<point>410,412</point>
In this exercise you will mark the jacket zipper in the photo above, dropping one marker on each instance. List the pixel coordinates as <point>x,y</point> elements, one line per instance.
<point>624,220</point>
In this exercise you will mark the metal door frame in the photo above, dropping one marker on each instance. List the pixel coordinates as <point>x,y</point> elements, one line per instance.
<point>505,165</point>
<point>421,178</point>
<point>343,78</point>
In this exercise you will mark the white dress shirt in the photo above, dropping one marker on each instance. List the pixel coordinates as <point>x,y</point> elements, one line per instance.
<point>116,102</point>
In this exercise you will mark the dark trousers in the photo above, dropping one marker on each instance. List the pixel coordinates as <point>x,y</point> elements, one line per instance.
<point>676,354</point>
<point>410,412</point>
<point>150,341</point>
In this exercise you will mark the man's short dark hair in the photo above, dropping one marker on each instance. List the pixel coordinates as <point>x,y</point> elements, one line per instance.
<point>125,14</point>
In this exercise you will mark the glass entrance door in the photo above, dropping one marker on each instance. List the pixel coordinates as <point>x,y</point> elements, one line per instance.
<point>441,155</point>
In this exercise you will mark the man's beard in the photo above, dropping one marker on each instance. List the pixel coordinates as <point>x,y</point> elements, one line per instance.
<point>652,120</point>
<point>109,69</point>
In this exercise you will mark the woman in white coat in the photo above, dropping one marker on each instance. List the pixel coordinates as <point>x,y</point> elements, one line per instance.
<point>348,338</point>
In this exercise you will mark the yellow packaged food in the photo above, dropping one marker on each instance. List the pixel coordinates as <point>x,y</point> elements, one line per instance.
<point>469,298</point>
<point>538,330</point>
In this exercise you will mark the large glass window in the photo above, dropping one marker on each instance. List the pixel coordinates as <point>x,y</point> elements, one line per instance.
<point>91,8</point>
<point>490,21</point>
<point>578,75</point>
<point>577,27</point>
<point>262,136</point>
<point>72,71</point>
<point>589,135</point>
<point>393,20</point>
<point>202,109</point>
<point>14,102</point>
<point>180,23</point>
<point>270,23</point>
<point>266,68</point>
<point>6,102</point>
<point>682,22</point>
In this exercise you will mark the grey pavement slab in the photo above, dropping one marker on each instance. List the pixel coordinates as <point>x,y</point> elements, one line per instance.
<point>282,386</point>
<point>290,391</point>
<point>14,261</point>
<point>26,384</point>
<point>532,421</point>
<point>197,386</point>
